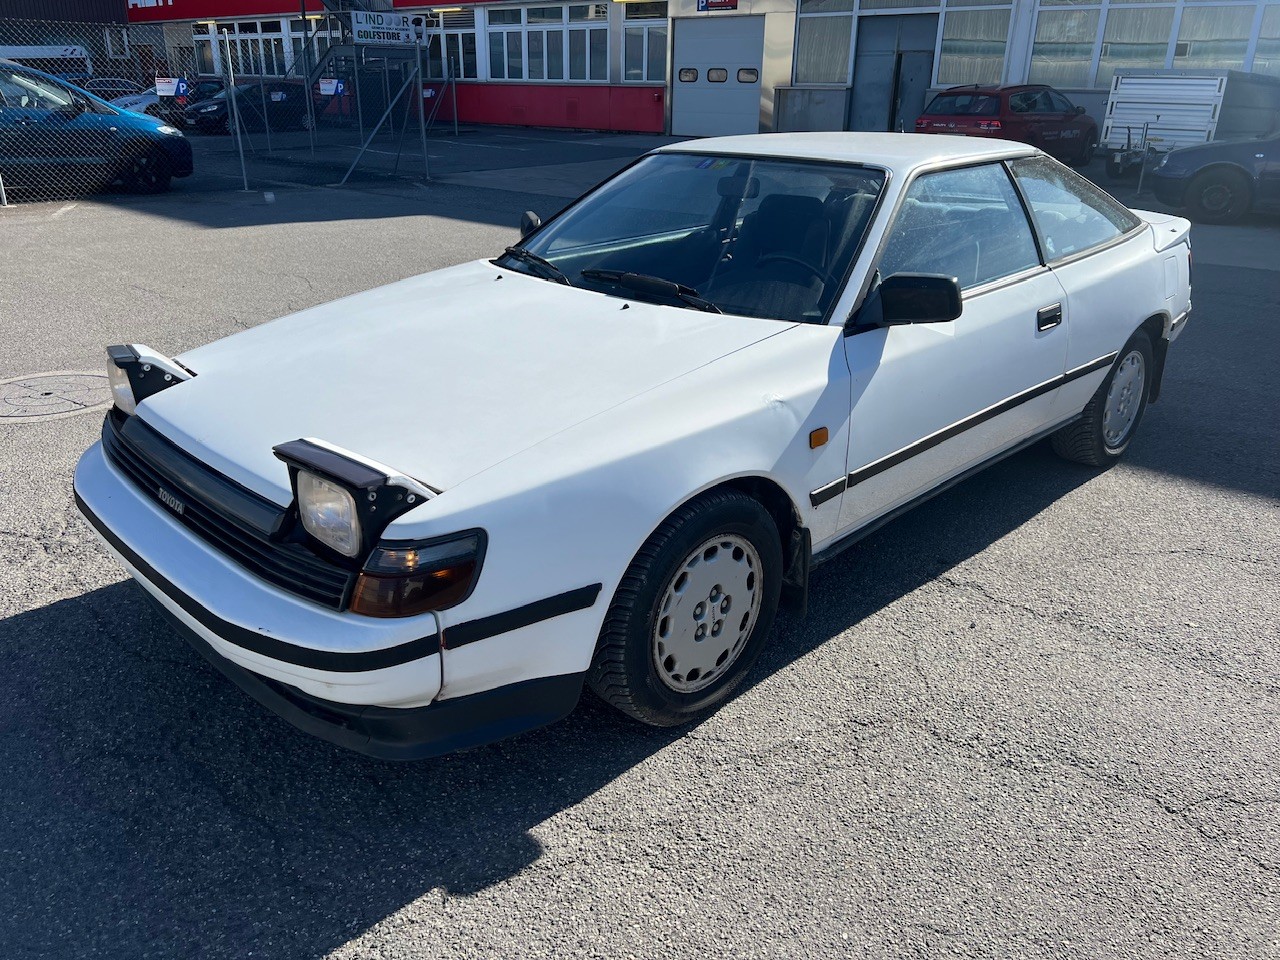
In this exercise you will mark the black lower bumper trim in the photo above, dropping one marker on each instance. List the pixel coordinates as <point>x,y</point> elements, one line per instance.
<point>389,733</point>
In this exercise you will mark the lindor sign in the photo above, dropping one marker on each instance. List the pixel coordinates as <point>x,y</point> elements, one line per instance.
<point>384,29</point>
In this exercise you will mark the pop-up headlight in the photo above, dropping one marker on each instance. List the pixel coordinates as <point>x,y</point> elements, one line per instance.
<point>345,501</point>
<point>136,372</point>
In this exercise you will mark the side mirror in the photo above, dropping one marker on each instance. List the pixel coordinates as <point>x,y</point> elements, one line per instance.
<point>1079,110</point>
<point>909,298</point>
<point>529,222</point>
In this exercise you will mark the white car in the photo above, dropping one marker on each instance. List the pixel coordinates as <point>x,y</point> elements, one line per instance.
<point>422,517</point>
<point>145,101</point>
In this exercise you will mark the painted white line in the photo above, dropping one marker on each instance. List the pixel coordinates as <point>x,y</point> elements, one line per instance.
<point>65,208</point>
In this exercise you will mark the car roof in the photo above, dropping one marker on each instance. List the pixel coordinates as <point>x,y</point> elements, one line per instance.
<point>900,153</point>
<point>990,88</point>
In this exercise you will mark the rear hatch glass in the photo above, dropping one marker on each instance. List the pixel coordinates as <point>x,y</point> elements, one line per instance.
<point>964,105</point>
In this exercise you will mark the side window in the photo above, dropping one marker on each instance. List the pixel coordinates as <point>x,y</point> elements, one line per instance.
<point>1022,102</point>
<point>1070,213</point>
<point>1061,104</point>
<point>967,224</point>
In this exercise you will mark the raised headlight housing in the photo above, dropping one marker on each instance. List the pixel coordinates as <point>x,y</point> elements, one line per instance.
<point>345,501</point>
<point>136,372</point>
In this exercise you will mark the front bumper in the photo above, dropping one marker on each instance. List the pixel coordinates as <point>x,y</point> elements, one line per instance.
<point>415,734</point>
<point>366,684</point>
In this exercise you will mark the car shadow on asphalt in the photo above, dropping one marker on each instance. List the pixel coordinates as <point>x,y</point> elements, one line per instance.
<point>150,808</point>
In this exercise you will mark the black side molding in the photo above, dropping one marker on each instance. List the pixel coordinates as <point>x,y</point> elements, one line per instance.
<point>982,416</point>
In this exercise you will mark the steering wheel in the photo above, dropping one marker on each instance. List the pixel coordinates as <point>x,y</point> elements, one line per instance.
<point>818,273</point>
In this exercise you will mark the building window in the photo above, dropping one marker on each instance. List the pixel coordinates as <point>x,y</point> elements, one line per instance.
<point>451,45</point>
<point>1134,37</point>
<point>1062,54</point>
<point>1213,37</point>
<point>530,43</point>
<point>1266,58</point>
<point>822,48</point>
<point>644,45</point>
<point>973,45</point>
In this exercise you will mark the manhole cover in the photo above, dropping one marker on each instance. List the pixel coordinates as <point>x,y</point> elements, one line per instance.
<point>56,394</point>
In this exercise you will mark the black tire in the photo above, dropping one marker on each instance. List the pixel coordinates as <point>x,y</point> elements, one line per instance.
<point>625,672</point>
<point>148,172</point>
<point>1218,196</point>
<point>1085,156</point>
<point>1085,441</point>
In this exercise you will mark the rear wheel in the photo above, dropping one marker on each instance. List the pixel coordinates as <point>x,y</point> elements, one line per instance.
<point>1085,156</point>
<point>692,613</point>
<point>1218,196</point>
<point>1110,420</point>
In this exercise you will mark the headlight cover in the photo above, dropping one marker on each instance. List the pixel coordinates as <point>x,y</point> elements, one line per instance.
<point>328,513</point>
<point>168,130</point>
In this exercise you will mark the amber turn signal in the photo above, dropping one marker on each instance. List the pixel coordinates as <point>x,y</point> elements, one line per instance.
<point>410,579</point>
<point>817,438</point>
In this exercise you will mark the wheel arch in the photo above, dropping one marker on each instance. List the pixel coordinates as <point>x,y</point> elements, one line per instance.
<point>1227,166</point>
<point>797,543</point>
<point>1155,327</point>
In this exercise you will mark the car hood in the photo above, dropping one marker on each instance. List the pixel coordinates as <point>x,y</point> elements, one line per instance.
<point>128,103</point>
<point>439,376</point>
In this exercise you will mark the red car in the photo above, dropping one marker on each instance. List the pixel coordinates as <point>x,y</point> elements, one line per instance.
<point>1030,113</point>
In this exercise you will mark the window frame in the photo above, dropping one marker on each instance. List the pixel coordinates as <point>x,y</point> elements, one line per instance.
<point>1066,258</point>
<point>995,283</point>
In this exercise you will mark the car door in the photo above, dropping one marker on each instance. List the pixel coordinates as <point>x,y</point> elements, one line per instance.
<point>1267,154</point>
<point>1104,261</point>
<point>1073,125</point>
<point>933,400</point>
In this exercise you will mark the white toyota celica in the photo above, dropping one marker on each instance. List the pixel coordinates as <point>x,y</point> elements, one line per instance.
<point>422,517</point>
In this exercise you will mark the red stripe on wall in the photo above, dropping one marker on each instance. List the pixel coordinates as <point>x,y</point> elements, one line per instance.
<point>628,109</point>
<point>139,12</point>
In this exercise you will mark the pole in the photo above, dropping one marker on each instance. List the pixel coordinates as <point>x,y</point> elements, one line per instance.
<point>359,62</point>
<point>4,200</point>
<point>453,92</point>
<point>235,109</point>
<point>306,69</point>
<point>378,126</point>
<point>419,86</point>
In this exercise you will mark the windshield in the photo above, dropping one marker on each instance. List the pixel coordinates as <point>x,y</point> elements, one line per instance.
<point>752,236</point>
<point>964,105</point>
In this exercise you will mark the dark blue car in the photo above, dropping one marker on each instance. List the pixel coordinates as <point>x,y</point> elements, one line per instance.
<point>1220,182</point>
<point>57,138</point>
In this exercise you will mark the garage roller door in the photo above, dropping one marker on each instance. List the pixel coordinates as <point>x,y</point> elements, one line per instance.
<point>716,76</point>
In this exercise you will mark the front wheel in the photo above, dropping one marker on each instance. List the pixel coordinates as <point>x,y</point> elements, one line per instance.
<point>1111,418</point>
<point>148,172</point>
<point>1085,156</point>
<point>1218,196</point>
<point>692,612</point>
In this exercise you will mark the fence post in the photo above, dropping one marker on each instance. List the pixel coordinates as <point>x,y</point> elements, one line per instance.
<point>4,200</point>
<point>420,31</point>
<point>235,109</point>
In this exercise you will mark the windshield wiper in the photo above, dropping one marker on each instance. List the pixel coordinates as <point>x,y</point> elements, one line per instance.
<point>550,270</point>
<point>644,283</point>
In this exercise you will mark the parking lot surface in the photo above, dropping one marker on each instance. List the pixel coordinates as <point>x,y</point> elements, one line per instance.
<point>1036,717</point>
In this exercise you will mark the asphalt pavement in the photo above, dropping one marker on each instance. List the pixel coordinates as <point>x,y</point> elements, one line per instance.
<point>1036,717</point>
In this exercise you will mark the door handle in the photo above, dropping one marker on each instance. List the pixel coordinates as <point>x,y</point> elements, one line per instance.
<point>1048,317</point>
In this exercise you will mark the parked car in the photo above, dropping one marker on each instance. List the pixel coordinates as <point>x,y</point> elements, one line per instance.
<point>280,103</point>
<point>145,102</point>
<point>420,518</point>
<point>198,90</point>
<point>1028,113</point>
<point>54,135</point>
<point>1220,182</point>
<point>108,88</point>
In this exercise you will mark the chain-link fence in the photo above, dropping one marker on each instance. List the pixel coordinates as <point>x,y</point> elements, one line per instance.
<point>249,97</point>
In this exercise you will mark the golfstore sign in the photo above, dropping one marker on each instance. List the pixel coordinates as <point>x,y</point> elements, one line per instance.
<point>386,29</point>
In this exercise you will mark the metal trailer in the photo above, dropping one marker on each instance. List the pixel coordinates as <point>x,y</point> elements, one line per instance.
<point>1150,112</point>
